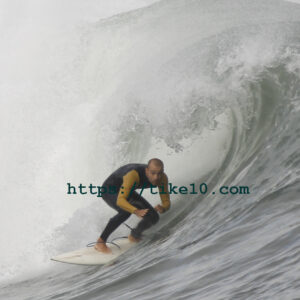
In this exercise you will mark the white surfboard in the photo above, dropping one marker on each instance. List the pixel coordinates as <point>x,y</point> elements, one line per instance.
<point>90,256</point>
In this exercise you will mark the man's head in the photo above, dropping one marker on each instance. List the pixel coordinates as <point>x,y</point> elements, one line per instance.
<point>154,171</point>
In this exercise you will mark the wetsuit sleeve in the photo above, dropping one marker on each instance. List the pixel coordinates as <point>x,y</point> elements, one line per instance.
<point>164,193</point>
<point>129,180</point>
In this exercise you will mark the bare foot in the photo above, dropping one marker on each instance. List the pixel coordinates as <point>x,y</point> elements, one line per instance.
<point>133,239</point>
<point>101,247</point>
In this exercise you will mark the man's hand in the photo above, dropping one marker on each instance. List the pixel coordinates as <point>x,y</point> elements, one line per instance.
<point>140,212</point>
<point>159,208</point>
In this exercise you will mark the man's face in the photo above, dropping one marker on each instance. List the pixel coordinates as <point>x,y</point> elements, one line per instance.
<point>154,174</point>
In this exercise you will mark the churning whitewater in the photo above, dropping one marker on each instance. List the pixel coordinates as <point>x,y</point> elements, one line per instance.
<point>210,87</point>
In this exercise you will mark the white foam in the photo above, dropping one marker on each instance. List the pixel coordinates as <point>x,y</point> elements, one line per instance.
<point>294,1</point>
<point>47,125</point>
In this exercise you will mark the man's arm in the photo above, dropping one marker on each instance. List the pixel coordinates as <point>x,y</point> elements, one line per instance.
<point>165,197</point>
<point>129,180</point>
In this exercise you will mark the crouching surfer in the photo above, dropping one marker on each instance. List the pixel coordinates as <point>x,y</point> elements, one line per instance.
<point>126,201</point>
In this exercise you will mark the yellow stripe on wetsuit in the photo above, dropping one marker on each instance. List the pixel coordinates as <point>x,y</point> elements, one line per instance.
<point>132,179</point>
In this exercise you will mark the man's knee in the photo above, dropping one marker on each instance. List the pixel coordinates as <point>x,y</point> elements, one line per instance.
<point>120,217</point>
<point>154,217</point>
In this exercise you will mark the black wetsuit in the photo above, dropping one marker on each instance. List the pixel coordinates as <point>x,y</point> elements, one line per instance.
<point>128,178</point>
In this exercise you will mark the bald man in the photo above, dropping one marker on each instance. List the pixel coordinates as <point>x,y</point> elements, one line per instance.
<point>122,197</point>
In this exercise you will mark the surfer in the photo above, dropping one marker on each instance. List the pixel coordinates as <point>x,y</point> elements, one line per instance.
<point>123,182</point>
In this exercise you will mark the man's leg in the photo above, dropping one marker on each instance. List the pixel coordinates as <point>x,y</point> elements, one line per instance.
<point>148,220</point>
<point>112,224</point>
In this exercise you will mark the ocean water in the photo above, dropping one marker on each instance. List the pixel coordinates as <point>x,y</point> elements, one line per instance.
<point>210,87</point>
